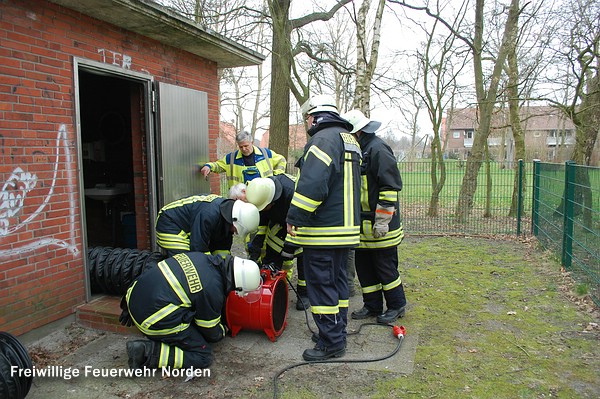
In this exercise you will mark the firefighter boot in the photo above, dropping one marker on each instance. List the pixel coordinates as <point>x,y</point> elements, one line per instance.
<point>140,354</point>
<point>321,353</point>
<point>364,313</point>
<point>302,302</point>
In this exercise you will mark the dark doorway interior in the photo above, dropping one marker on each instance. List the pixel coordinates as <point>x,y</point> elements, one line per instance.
<point>108,172</point>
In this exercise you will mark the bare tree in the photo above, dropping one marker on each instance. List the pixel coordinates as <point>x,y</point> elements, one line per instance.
<point>580,49</point>
<point>439,86</point>
<point>281,66</point>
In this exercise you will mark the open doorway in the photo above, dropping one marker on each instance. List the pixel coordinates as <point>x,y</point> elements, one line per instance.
<point>113,132</point>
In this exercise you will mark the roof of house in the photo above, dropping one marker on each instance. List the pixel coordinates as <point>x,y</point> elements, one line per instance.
<point>160,23</point>
<point>532,118</point>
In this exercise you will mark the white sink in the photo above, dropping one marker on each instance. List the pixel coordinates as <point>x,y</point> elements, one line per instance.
<point>103,193</point>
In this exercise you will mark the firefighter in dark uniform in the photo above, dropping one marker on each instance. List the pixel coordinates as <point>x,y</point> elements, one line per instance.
<point>204,223</point>
<point>178,303</point>
<point>272,196</point>
<point>324,219</point>
<point>381,225</point>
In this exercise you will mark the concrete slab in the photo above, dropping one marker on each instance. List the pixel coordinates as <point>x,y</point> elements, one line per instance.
<point>248,357</point>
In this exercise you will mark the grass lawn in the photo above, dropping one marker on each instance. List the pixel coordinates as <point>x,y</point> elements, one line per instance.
<point>496,319</point>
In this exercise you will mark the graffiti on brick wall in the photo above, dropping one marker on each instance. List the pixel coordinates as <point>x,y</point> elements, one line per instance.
<point>13,197</point>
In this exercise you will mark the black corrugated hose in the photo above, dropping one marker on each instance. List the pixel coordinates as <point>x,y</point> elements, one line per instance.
<point>13,353</point>
<point>112,270</point>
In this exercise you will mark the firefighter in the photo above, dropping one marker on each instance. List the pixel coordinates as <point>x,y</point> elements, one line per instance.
<point>272,196</point>
<point>178,303</point>
<point>381,225</point>
<point>247,163</point>
<point>204,223</point>
<point>324,219</point>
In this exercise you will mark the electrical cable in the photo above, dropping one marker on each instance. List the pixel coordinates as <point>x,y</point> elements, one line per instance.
<point>398,331</point>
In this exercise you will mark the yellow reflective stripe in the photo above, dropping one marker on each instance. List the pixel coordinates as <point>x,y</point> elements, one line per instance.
<point>393,284</point>
<point>207,323</point>
<point>325,241</point>
<point>371,288</point>
<point>262,230</point>
<point>190,200</point>
<point>392,238</point>
<point>177,358</point>
<point>325,309</point>
<point>163,359</point>
<point>344,303</point>
<point>159,315</point>
<point>174,283</point>
<point>303,202</point>
<point>221,252</point>
<point>301,283</point>
<point>332,231</point>
<point>166,331</point>
<point>364,194</point>
<point>348,191</point>
<point>321,155</point>
<point>173,241</point>
<point>391,196</point>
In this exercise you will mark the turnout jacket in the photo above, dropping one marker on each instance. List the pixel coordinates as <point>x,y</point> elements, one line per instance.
<point>181,291</point>
<point>325,207</point>
<point>275,215</point>
<point>197,224</point>
<point>380,184</point>
<point>265,163</point>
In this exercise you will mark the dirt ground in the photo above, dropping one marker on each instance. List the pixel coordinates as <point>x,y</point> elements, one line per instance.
<point>246,365</point>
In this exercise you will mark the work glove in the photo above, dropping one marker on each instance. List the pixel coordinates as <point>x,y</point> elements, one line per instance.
<point>383,216</point>
<point>125,317</point>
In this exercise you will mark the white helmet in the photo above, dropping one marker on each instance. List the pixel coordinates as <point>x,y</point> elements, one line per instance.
<point>244,217</point>
<point>318,103</point>
<point>246,276</point>
<point>360,122</point>
<point>260,192</point>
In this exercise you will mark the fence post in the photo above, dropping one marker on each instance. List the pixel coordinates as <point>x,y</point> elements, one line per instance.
<point>567,244</point>
<point>535,200</point>
<point>519,197</point>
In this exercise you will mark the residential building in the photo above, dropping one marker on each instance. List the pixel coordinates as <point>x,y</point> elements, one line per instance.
<point>549,135</point>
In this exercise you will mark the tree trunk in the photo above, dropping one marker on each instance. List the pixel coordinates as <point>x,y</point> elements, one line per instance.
<point>281,61</point>
<point>515,123</point>
<point>486,102</point>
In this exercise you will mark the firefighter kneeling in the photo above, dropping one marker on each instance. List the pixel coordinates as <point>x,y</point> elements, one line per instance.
<point>178,304</point>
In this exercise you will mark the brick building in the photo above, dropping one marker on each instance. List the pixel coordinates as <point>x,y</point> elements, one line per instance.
<point>549,135</point>
<point>105,106</point>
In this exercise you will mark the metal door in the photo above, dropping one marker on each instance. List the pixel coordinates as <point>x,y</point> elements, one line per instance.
<point>182,141</point>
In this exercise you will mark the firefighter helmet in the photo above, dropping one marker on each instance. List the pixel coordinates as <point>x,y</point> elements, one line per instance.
<point>360,122</point>
<point>319,103</point>
<point>244,217</point>
<point>246,276</point>
<point>260,192</point>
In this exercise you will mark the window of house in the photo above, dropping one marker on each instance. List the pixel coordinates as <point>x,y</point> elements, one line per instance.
<point>456,135</point>
<point>537,133</point>
<point>469,134</point>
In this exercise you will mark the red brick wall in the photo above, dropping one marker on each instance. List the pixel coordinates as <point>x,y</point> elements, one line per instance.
<point>41,252</point>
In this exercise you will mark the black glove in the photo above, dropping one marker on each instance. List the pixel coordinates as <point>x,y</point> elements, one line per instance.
<point>125,318</point>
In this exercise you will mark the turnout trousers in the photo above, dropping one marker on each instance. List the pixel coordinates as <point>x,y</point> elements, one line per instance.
<point>377,271</point>
<point>185,349</point>
<point>327,288</point>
